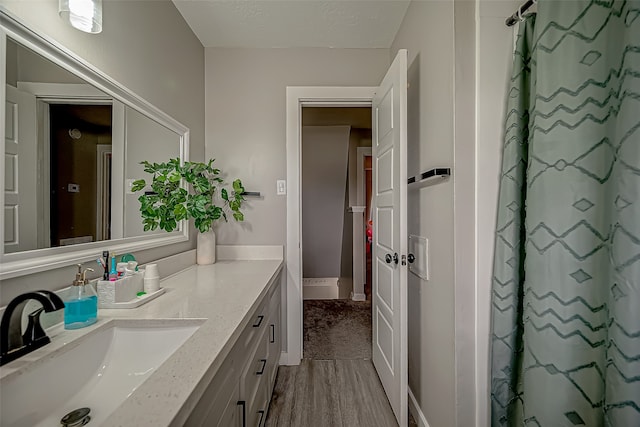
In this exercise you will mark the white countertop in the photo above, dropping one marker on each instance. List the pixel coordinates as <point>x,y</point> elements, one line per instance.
<point>224,294</point>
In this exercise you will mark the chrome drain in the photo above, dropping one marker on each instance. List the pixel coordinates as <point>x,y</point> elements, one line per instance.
<point>76,418</point>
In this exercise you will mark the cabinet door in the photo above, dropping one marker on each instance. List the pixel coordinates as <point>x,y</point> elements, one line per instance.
<point>222,393</point>
<point>231,416</point>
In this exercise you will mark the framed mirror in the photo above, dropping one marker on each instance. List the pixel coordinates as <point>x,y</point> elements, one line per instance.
<point>73,142</point>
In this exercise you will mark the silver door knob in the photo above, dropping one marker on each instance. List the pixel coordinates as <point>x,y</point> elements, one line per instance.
<point>411,258</point>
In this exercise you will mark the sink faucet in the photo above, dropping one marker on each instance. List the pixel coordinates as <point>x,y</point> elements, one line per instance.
<point>14,344</point>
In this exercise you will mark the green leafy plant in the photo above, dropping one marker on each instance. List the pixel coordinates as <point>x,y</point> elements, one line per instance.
<point>170,202</point>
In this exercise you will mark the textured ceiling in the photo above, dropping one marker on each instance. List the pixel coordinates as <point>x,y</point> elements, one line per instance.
<point>294,23</point>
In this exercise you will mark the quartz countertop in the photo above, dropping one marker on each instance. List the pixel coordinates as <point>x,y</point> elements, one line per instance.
<point>223,295</point>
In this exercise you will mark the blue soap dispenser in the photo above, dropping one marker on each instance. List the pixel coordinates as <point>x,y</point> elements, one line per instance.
<point>81,305</point>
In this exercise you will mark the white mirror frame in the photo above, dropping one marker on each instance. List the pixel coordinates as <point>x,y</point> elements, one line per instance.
<point>27,262</point>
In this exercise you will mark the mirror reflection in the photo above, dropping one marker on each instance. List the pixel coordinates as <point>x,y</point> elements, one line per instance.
<point>70,152</point>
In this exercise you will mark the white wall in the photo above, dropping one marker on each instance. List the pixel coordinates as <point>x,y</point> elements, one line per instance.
<point>148,48</point>
<point>159,145</point>
<point>245,120</point>
<point>455,123</point>
<point>324,182</point>
<point>427,33</point>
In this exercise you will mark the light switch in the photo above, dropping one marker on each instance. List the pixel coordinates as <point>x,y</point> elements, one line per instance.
<point>73,188</point>
<point>281,187</point>
<point>419,248</point>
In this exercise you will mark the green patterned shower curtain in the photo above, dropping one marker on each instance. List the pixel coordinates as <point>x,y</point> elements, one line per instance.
<point>566,282</point>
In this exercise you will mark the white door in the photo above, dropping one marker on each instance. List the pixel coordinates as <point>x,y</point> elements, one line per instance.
<point>389,293</point>
<point>20,173</point>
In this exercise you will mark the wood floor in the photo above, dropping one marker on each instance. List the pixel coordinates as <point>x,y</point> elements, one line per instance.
<point>329,393</point>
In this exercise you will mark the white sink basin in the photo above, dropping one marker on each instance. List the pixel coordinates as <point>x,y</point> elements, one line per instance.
<point>98,371</point>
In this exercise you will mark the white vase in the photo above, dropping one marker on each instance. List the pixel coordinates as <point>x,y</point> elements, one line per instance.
<point>206,249</point>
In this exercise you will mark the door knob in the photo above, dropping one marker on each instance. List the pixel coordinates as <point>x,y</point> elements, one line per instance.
<point>411,258</point>
<point>388,258</point>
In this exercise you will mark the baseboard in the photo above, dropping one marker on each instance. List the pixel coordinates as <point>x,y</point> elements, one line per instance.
<point>320,288</point>
<point>415,410</point>
<point>284,360</point>
<point>358,297</point>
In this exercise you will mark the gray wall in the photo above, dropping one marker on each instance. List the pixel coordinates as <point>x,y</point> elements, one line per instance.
<point>245,123</point>
<point>427,33</point>
<point>324,181</point>
<point>147,47</point>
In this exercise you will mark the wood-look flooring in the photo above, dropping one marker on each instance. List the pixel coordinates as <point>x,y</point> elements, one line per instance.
<point>329,393</point>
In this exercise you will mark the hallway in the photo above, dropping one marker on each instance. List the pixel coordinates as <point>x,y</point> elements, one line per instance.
<point>336,384</point>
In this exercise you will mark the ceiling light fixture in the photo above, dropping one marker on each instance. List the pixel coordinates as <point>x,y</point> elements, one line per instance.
<point>85,15</point>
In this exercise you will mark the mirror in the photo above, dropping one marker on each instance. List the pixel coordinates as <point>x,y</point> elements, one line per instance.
<point>73,143</point>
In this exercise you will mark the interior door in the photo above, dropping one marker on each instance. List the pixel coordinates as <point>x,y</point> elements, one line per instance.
<point>389,291</point>
<point>20,190</point>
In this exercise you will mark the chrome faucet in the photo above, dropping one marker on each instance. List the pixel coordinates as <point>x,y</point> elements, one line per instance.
<point>14,344</point>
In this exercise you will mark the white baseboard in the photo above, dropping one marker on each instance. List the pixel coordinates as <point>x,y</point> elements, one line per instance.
<point>320,288</point>
<point>358,297</point>
<point>284,360</point>
<point>415,410</point>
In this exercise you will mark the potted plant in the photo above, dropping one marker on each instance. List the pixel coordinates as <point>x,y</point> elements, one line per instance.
<point>185,191</point>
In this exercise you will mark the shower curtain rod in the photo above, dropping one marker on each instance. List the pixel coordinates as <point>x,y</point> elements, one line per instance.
<point>517,16</point>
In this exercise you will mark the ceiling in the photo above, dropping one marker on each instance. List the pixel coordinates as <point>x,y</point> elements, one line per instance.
<point>294,23</point>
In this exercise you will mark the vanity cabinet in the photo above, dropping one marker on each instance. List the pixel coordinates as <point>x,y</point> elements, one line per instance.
<point>240,392</point>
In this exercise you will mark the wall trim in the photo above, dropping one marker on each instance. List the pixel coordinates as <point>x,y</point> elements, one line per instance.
<point>297,96</point>
<point>320,288</point>
<point>248,252</point>
<point>358,297</point>
<point>415,410</point>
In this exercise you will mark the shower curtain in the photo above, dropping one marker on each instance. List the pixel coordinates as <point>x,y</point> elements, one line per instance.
<point>566,282</point>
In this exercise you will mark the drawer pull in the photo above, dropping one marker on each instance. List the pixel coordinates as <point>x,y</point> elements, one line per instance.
<point>244,412</point>
<point>264,364</point>
<point>272,336</point>
<point>258,322</point>
<point>261,412</point>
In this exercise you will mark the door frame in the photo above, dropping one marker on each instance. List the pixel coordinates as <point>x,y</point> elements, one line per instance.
<point>77,94</point>
<point>297,97</point>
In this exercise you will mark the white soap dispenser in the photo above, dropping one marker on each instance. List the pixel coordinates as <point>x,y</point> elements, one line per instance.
<point>81,306</point>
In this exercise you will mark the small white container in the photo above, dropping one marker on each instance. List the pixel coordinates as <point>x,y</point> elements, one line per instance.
<point>151,278</point>
<point>151,284</point>
<point>151,271</point>
<point>121,290</point>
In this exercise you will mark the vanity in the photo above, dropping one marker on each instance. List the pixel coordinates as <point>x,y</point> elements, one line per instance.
<point>222,375</point>
<point>206,352</point>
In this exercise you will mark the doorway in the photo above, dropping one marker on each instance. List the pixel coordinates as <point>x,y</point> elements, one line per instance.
<point>337,317</point>
<point>79,161</point>
<point>297,98</point>
<point>389,142</point>
<point>334,203</point>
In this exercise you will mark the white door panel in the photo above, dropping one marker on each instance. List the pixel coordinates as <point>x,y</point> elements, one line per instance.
<point>389,293</point>
<point>20,146</point>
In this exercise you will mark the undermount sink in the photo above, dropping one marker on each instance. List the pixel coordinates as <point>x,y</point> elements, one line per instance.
<point>98,371</point>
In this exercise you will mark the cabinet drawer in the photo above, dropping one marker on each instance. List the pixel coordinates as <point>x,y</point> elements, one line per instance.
<point>255,370</point>
<point>274,344</point>
<point>256,410</point>
<point>257,325</point>
<point>230,416</point>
